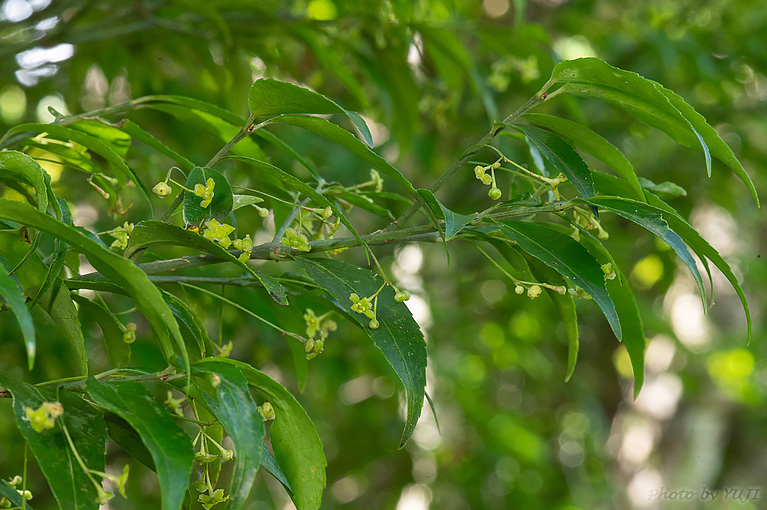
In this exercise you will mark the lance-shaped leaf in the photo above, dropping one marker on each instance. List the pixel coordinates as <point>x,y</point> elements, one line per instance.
<point>272,97</point>
<point>398,336</point>
<point>562,157</point>
<point>454,222</point>
<point>110,134</point>
<point>593,144</point>
<point>148,233</point>
<point>269,463</point>
<point>568,258</point>
<point>19,167</point>
<point>112,329</point>
<point>238,413</point>
<point>169,446</point>
<point>296,445</point>
<point>67,480</point>
<point>649,102</point>
<point>14,299</point>
<point>218,207</point>
<point>679,226</point>
<point>120,270</point>
<point>92,143</point>
<point>148,139</point>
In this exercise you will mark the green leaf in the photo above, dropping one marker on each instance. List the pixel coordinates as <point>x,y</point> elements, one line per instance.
<point>653,220</point>
<point>272,97</point>
<point>296,445</point>
<point>363,202</point>
<point>170,447</point>
<point>245,200</point>
<point>238,413</point>
<point>454,222</point>
<point>269,463</point>
<point>20,167</point>
<point>345,139</point>
<point>69,484</point>
<point>593,144</point>
<point>649,102</point>
<point>112,329</point>
<point>567,257</point>
<point>148,233</point>
<point>562,157</point>
<point>186,316</point>
<point>14,298</point>
<point>680,227</point>
<point>9,492</point>
<point>219,207</point>
<point>147,297</point>
<point>665,190</point>
<point>147,139</point>
<point>119,141</point>
<point>92,143</point>
<point>128,439</point>
<point>398,337</point>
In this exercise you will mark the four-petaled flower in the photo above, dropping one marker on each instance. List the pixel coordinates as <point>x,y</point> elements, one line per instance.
<point>161,189</point>
<point>362,305</point>
<point>218,232</point>
<point>215,497</point>
<point>121,235</point>
<point>44,417</point>
<point>205,192</point>
<point>312,323</point>
<point>245,245</point>
<point>293,238</point>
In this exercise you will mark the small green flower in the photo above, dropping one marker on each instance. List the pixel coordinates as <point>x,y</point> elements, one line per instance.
<point>519,289</point>
<point>267,411</point>
<point>486,180</point>
<point>16,480</point>
<point>209,501</point>
<point>205,192</point>
<point>200,485</point>
<point>534,291</point>
<point>377,180</point>
<point>129,335</point>
<point>479,172</point>
<point>245,245</point>
<point>218,232</point>
<point>262,211</point>
<point>204,458</point>
<point>161,189</point>
<point>363,306</point>
<point>44,417</point>
<point>373,324</point>
<point>227,454</point>
<point>609,271</point>
<point>175,403</point>
<point>312,323</point>
<point>293,238</point>
<point>121,235</point>
<point>225,350</point>
<point>103,496</point>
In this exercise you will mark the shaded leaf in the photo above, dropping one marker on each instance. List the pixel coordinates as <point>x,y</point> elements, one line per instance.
<point>245,200</point>
<point>398,337</point>
<point>296,445</point>
<point>220,205</point>
<point>454,222</point>
<point>238,413</point>
<point>119,141</point>
<point>9,492</point>
<point>149,140</point>
<point>112,329</point>
<point>269,463</point>
<point>665,190</point>
<point>169,446</point>
<point>22,168</point>
<point>14,299</point>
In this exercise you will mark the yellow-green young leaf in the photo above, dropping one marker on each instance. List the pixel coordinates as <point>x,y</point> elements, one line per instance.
<point>17,166</point>
<point>94,144</point>
<point>14,298</point>
<point>69,484</point>
<point>568,258</point>
<point>170,447</point>
<point>593,144</point>
<point>398,336</point>
<point>238,413</point>
<point>272,97</point>
<point>218,207</point>
<point>120,270</point>
<point>148,233</point>
<point>650,103</point>
<point>296,445</point>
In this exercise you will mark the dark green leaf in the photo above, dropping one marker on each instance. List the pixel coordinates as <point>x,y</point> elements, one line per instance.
<point>650,103</point>
<point>593,144</point>
<point>272,97</point>
<point>14,299</point>
<point>112,329</point>
<point>188,318</point>
<point>169,446</point>
<point>146,138</point>
<point>562,157</point>
<point>20,167</point>
<point>269,463</point>
<point>128,439</point>
<point>665,190</point>
<point>454,222</point>
<point>398,337</point>
<point>238,413</point>
<point>119,141</point>
<point>9,492</point>
<point>69,484</point>
<point>219,207</point>
<point>296,445</point>
<point>363,202</point>
<point>567,257</point>
<point>148,233</point>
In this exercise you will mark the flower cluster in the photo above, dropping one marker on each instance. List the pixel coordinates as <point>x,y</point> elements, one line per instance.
<point>205,192</point>
<point>211,499</point>
<point>174,404</point>
<point>293,238</point>
<point>245,245</point>
<point>588,221</point>
<point>25,494</point>
<point>535,289</point>
<point>44,417</point>
<point>314,325</point>
<point>480,172</point>
<point>218,232</point>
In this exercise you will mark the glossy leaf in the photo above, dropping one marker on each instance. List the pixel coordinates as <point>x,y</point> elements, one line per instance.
<point>128,439</point>
<point>272,97</point>
<point>169,446</point>
<point>14,299</point>
<point>398,337</point>
<point>147,297</point>
<point>148,233</point>
<point>567,257</point>
<point>220,205</point>
<point>296,445</point>
<point>238,413</point>
<point>119,141</point>
<point>69,484</point>
<point>20,167</point>
<point>56,264</point>
<point>650,103</point>
<point>9,492</point>
<point>269,463</point>
<point>92,143</point>
<point>562,158</point>
<point>593,144</point>
<point>690,236</point>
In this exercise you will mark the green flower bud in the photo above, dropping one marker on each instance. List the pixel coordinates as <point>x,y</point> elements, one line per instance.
<point>161,189</point>
<point>519,289</point>
<point>534,291</point>
<point>401,296</point>
<point>494,193</point>
<point>373,323</point>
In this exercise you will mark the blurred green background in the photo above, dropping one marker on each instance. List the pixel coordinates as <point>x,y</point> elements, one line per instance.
<point>430,76</point>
